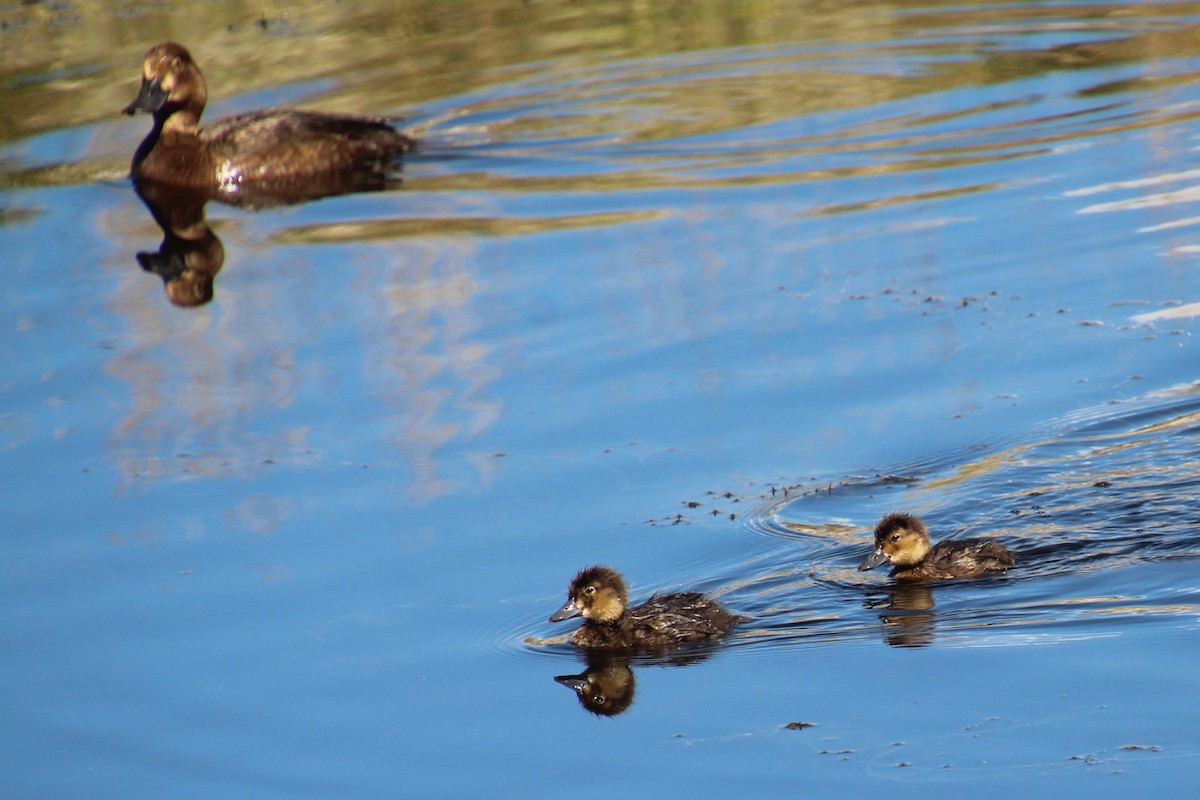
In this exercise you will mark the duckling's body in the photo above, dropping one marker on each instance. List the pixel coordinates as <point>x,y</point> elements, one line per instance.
<point>276,154</point>
<point>901,540</point>
<point>598,594</point>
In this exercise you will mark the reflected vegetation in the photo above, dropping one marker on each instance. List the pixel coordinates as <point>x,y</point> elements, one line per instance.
<point>391,229</point>
<point>635,82</point>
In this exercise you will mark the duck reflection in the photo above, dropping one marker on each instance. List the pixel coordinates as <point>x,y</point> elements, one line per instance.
<point>907,614</point>
<point>190,255</point>
<point>606,688</point>
<point>607,685</point>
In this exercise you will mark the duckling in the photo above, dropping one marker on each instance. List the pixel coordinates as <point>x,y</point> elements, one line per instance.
<point>262,157</point>
<point>902,540</point>
<point>598,594</point>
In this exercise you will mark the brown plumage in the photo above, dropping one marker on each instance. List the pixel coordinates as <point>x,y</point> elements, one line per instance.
<point>901,540</point>
<point>598,594</point>
<point>258,158</point>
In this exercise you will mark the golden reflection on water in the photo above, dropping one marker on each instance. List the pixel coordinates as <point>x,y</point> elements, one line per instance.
<point>1073,452</point>
<point>77,64</point>
<point>448,226</point>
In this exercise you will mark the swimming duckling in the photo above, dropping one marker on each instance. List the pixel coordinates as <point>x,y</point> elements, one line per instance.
<point>902,540</point>
<point>598,594</point>
<point>279,155</point>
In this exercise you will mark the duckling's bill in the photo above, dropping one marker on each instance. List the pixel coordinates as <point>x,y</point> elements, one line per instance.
<point>576,682</point>
<point>566,612</point>
<point>874,560</point>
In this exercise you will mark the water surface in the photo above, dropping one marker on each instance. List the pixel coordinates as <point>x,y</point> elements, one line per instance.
<point>696,291</point>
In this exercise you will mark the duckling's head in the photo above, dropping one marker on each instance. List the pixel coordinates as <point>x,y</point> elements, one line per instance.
<point>900,539</point>
<point>171,83</point>
<point>597,594</point>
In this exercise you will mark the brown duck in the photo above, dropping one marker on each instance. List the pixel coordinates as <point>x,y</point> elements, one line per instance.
<point>598,594</point>
<point>901,540</point>
<point>258,158</point>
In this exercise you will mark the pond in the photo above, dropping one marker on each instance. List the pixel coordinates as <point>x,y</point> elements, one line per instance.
<point>699,291</point>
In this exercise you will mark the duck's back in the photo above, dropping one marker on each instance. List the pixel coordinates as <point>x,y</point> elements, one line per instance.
<point>967,558</point>
<point>285,150</point>
<point>291,140</point>
<point>660,621</point>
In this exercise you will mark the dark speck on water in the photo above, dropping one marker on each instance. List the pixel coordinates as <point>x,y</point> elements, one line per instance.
<point>798,726</point>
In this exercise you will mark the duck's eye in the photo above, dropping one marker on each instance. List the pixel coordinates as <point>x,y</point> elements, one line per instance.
<point>177,63</point>
<point>895,537</point>
<point>590,590</point>
<point>599,699</point>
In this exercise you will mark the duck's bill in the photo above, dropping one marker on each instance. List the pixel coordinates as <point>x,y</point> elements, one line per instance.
<point>576,682</point>
<point>151,97</point>
<point>566,612</point>
<point>872,561</point>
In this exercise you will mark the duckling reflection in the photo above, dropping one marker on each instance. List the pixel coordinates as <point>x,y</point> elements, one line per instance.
<point>598,594</point>
<point>190,255</point>
<point>257,159</point>
<point>901,540</point>
<point>907,615</point>
<point>606,687</point>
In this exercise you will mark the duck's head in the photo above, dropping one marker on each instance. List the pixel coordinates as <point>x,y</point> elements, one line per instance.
<point>597,594</point>
<point>171,84</point>
<point>900,539</point>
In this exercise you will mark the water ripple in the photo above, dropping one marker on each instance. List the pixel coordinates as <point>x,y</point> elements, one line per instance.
<point>1100,508</point>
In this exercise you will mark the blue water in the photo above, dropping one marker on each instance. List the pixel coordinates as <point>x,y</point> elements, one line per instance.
<point>702,305</point>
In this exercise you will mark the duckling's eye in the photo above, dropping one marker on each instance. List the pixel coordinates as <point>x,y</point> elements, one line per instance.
<point>895,537</point>
<point>177,63</point>
<point>599,699</point>
<point>590,590</point>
